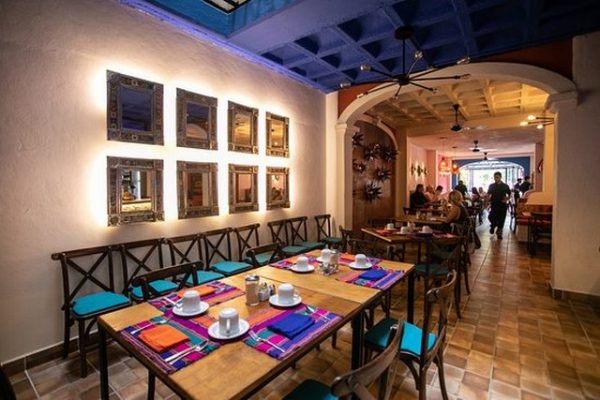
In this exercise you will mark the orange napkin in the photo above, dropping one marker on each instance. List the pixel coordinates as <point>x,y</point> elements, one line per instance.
<point>203,290</point>
<point>294,259</point>
<point>348,256</point>
<point>162,337</point>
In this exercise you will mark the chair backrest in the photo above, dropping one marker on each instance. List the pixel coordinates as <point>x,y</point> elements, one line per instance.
<point>379,222</point>
<point>187,248</point>
<point>357,382</point>
<point>247,238</point>
<point>214,241</point>
<point>346,236</point>
<point>409,211</point>
<point>6,389</point>
<point>371,248</point>
<point>279,231</point>
<point>297,230</point>
<point>174,272</point>
<point>273,248</point>
<point>323,226</point>
<point>438,302</point>
<point>141,256</point>
<point>83,267</point>
<point>445,251</point>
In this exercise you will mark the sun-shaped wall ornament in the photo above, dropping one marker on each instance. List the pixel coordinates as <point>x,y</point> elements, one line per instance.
<point>359,166</point>
<point>388,153</point>
<point>357,139</point>
<point>382,174</point>
<point>371,152</point>
<point>372,191</point>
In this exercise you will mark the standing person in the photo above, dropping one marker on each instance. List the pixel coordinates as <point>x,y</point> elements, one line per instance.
<point>418,198</point>
<point>499,193</point>
<point>525,186</point>
<point>462,188</point>
<point>517,189</point>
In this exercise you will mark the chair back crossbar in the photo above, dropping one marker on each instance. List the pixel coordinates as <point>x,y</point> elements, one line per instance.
<point>175,272</point>
<point>213,242</point>
<point>184,249</point>
<point>151,258</point>
<point>279,231</point>
<point>247,238</point>
<point>297,230</point>
<point>323,226</point>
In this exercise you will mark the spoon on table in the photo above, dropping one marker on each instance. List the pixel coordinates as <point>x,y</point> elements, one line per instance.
<point>154,323</point>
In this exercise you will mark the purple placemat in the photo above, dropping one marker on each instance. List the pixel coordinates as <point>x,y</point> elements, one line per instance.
<point>386,282</point>
<point>222,292</point>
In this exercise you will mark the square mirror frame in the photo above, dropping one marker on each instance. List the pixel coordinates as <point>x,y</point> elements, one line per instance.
<point>233,109</point>
<point>115,168</point>
<point>183,140</point>
<point>284,202</point>
<point>236,206</point>
<point>283,151</point>
<point>184,168</point>
<point>114,112</point>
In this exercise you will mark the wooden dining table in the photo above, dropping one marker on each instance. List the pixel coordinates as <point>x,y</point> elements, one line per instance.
<point>237,370</point>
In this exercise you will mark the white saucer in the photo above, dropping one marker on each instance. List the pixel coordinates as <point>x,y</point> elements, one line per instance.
<point>366,266</point>
<point>213,331</point>
<point>179,312</point>
<point>295,268</point>
<point>320,259</point>
<point>274,300</point>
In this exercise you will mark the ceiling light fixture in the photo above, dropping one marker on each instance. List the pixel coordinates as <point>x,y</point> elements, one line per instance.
<point>539,122</point>
<point>404,78</point>
<point>443,167</point>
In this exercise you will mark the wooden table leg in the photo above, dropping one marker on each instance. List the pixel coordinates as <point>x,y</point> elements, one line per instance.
<point>103,363</point>
<point>357,340</point>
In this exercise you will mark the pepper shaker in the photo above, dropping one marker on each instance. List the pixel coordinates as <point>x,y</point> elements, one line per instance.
<point>252,286</point>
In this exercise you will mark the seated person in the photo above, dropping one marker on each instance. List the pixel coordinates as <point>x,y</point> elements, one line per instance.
<point>475,195</point>
<point>437,195</point>
<point>462,188</point>
<point>457,212</point>
<point>429,193</point>
<point>418,198</point>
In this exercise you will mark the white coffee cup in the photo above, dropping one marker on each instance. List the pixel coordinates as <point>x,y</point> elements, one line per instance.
<point>390,226</point>
<point>302,262</point>
<point>190,302</point>
<point>325,255</point>
<point>404,230</point>
<point>426,229</point>
<point>360,260</point>
<point>285,293</point>
<point>229,321</point>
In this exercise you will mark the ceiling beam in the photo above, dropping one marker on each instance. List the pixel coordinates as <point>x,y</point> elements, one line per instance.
<point>425,104</point>
<point>488,97</point>
<point>403,110</point>
<point>448,90</point>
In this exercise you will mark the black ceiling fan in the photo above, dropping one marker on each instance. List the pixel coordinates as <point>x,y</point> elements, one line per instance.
<point>405,33</point>
<point>475,149</point>
<point>456,127</point>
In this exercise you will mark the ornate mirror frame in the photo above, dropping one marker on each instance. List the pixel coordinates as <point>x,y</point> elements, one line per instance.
<point>282,199</point>
<point>115,170</point>
<point>183,139</point>
<point>116,130</point>
<point>233,110</point>
<point>284,150</point>
<point>186,210</point>
<point>236,206</point>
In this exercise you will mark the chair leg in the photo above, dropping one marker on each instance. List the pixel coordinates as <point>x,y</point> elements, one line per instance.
<point>67,337</point>
<point>151,385</point>
<point>82,348</point>
<point>334,340</point>
<point>466,274</point>
<point>422,384</point>
<point>439,360</point>
<point>457,296</point>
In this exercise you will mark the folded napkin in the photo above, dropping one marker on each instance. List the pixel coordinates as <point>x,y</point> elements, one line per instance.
<point>292,325</point>
<point>162,337</point>
<point>203,290</point>
<point>373,274</point>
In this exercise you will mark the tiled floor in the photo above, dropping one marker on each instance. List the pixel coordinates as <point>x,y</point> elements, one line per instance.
<point>513,342</point>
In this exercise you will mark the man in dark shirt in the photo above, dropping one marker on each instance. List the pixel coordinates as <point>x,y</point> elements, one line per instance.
<point>517,189</point>
<point>525,186</point>
<point>462,188</point>
<point>418,198</point>
<point>499,193</point>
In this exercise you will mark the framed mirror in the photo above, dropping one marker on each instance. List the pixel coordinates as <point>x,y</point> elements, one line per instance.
<point>278,190</point>
<point>197,189</point>
<point>196,120</point>
<point>277,135</point>
<point>243,181</point>
<point>135,192</point>
<point>135,109</point>
<point>243,135</point>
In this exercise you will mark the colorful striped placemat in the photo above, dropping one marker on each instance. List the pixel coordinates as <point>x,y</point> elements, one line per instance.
<point>347,258</point>
<point>222,292</point>
<point>289,262</point>
<point>390,278</point>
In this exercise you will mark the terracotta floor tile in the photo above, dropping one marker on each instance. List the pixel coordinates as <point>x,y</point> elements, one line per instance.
<point>475,380</point>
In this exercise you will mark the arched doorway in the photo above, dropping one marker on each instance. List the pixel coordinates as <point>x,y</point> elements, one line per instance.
<point>481,173</point>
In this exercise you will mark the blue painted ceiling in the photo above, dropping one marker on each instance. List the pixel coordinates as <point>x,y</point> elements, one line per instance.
<point>324,42</point>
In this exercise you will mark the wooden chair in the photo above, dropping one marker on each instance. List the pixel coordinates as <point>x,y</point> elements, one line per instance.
<point>188,248</point>
<point>324,232</point>
<point>217,249</point>
<point>299,234</point>
<point>356,382</point>
<point>6,389</point>
<point>179,275</point>
<point>540,229</point>
<point>430,337</point>
<point>266,254</point>
<point>140,257</point>
<point>247,238</point>
<point>279,234</point>
<point>86,269</point>
<point>347,234</point>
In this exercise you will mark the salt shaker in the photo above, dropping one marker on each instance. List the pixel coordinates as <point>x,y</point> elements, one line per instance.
<point>252,286</point>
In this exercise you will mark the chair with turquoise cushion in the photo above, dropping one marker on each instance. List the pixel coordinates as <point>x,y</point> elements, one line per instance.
<point>176,275</point>
<point>89,271</point>
<point>188,248</point>
<point>217,249</point>
<point>247,239</point>
<point>413,339</point>
<point>324,232</point>
<point>279,234</point>
<point>298,234</point>
<point>356,382</point>
<point>266,254</point>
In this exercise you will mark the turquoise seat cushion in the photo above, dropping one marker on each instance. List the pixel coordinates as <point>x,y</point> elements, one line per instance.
<point>230,267</point>
<point>378,336</point>
<point>312,245</point>
<point>262,258</point>
<point>295,249</point>
<point>97,302</point>
<point>332,239</point>
<point>161,286</point>
<point>434,269</point>
<point>204,277</point>
<point>311,389</point>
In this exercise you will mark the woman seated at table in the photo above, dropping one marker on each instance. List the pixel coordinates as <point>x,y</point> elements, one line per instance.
<point>457,213</point>
<point>418,198</point>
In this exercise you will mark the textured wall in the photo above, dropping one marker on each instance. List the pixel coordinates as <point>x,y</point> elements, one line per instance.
<point>53,56</point>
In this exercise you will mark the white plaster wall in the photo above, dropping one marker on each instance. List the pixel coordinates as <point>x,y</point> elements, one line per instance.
<point>416,156</point>
<point>53,60</point>
<point>576,244</point>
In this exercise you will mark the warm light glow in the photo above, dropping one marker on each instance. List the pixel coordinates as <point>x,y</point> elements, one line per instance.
<point>531,117</point>
<point>523,123</point>
<point>455,168</point>
<point>540,126</point>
